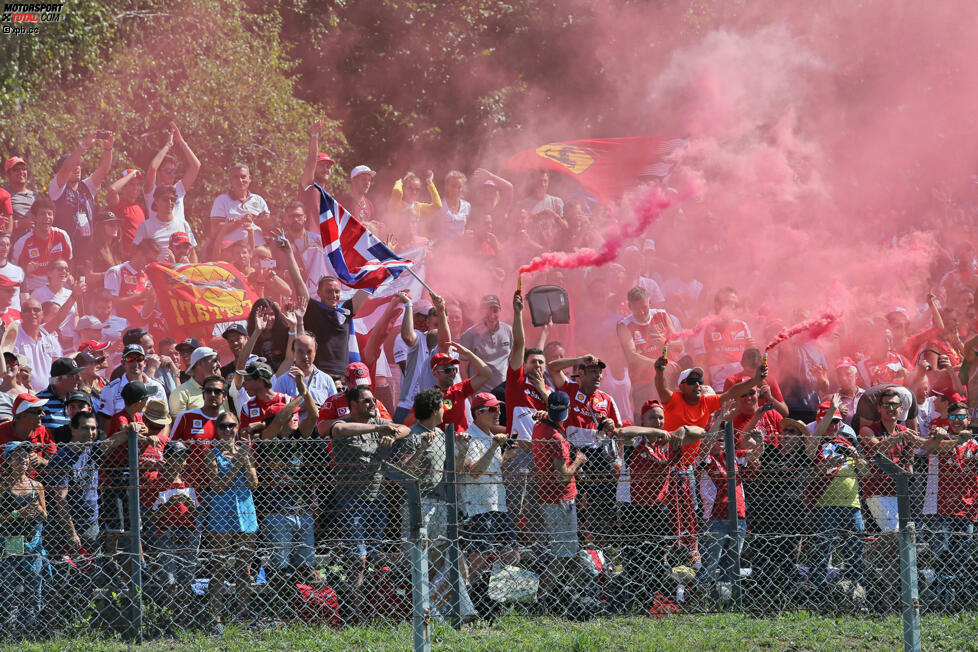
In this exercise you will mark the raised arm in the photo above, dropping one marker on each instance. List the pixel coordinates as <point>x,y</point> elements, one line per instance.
<point>556,368</point>
<point>408,334</point>
<point>380,331</point>
<point>483,372</point>
<point>519,335</point>
<point>665,394</point>
<point>149,181</point>
<point>73,160</point>
<point>444,330</point>
<point>193,163</point>
<point>105,163</point>
<point>273,429</point>
<point>309,171</point>
<point>740,389</point>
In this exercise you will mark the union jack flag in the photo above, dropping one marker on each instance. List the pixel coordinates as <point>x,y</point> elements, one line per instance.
<point>360,260</point>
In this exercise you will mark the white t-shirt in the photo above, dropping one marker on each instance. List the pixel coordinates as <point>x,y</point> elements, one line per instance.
<point>227,209</point>
<point>453,224</point>
<point>487,493</point>
<point>161,232</point>
<point>40,353</point>
<point>417,369</point>
<point>177,207</point>
<point>44,294</point>
<point>16,274</point>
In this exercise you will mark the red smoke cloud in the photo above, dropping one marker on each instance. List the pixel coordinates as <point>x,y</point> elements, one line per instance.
<point>649,209</point>
<point>814,328</point>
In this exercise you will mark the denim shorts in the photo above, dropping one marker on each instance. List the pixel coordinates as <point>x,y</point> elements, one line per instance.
<point>361,524</point>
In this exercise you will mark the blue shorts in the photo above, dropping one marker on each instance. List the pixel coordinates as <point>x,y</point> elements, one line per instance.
<point>361,526</point>
<point>489,532</point>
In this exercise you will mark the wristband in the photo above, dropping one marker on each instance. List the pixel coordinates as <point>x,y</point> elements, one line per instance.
<point>15,514</point>
<point>293,333</point>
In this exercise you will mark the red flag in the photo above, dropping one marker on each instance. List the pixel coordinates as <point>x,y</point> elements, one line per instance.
<point>605,167</point>
<point>195,296</point>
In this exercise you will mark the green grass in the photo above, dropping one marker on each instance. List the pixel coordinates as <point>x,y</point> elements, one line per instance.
<point>793,631</point>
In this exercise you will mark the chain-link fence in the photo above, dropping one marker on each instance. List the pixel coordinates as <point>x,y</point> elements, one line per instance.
<point>321,531</point>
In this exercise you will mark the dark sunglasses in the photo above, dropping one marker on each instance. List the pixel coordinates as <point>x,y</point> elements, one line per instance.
<point>891,406</point>
<point>213,390</point>
<point>752,392</point>
<point>134,357</point>
<point>694,381</point>
<point>368,401</point>
<point>227,425</point>
<point>957,417</point>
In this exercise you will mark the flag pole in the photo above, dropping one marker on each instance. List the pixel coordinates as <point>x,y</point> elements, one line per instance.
<point>421,281</point>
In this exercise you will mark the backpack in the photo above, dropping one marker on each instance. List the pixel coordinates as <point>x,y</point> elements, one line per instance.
<point>317,606</point>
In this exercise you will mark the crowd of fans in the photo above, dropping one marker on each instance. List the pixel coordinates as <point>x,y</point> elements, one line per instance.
<point>591,454</point>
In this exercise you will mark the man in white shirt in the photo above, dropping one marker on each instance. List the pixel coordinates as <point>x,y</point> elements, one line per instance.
<point>163,168</point>
<point>164,223</point>
<point>489,529</point>
<point>9,270</point>
<point>235,212</point>
<point>40,347</point>
<point>134,365</point>
<point>320,383</point>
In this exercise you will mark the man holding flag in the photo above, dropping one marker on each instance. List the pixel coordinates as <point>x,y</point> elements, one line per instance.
<point>359,261</point>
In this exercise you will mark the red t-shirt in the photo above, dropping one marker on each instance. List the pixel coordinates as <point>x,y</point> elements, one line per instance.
<point>123,281</point>
<point>255,411</point>
<point>119,458</point>
<point>549,445</point>
<point>769,425</point>
<point>877,482</point>
<point>176,513</point>
<point>648,339</point>
<point>648,470</point>
<point>520,393</point>
<point>455,405</point>
<point>40,436</point>
<point>337,407</point>
<point>725,343</point>
<point>957,481</point>
<point>679,413</point>
<point>131,215</point>
<point>771,382</point>
<point>586,414</point>
<point>6,206</point>
<point>713,484</point>
<point>194,426</point>
<point>42,251</point>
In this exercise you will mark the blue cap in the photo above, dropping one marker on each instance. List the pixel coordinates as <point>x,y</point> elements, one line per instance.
<point>558,404</point>
<point>11,446</point>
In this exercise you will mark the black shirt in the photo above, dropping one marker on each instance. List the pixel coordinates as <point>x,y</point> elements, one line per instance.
<point>332,335</point>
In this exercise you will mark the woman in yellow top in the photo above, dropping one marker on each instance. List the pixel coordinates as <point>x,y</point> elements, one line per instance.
<point>404,208</point>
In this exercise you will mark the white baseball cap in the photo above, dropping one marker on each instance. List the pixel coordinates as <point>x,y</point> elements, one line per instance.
<point>361,169</point>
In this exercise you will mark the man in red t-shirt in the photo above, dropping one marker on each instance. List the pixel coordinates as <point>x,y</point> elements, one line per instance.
<point>445,369</point>
<point>199,426</point>
<point>750,362</point>
<point>590,427</point>
<point>556,469</point>
<point>34,250</point>
<point>751,415</point>
<point>26,426</point>
<point>725,337</point>
<point>952,513</point>
<point>642,334</point>
<point>257,379</point>
<point>526,388</point>
<point>129,284</point>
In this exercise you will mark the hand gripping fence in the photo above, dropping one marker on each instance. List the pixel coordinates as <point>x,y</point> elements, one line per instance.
<point>451,527</point>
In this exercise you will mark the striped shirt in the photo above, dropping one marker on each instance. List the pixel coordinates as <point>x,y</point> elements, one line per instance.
<point>54,413</point>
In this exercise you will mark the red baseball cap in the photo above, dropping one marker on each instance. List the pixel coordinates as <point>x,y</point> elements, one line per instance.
<point>845,362</point>
<point>484,399</point>
<point>324,157</point>
<point>823,409</point>
<point>358,374</point>
<point>25,402</point>
<point>11,162</point>
<point>648,405</point>
<point>92,346</point>
<point>179,238</point>
<point>7,282</point>
<point>442,358</point>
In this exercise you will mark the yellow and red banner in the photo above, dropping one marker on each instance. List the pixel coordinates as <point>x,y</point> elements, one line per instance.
<point>195,296</point>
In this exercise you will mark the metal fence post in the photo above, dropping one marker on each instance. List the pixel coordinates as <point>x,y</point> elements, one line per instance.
<point>733,521</point>
<point>910,605</point>
<point>419,556</point>
<point>454,574</point>
<point>135,632</point>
